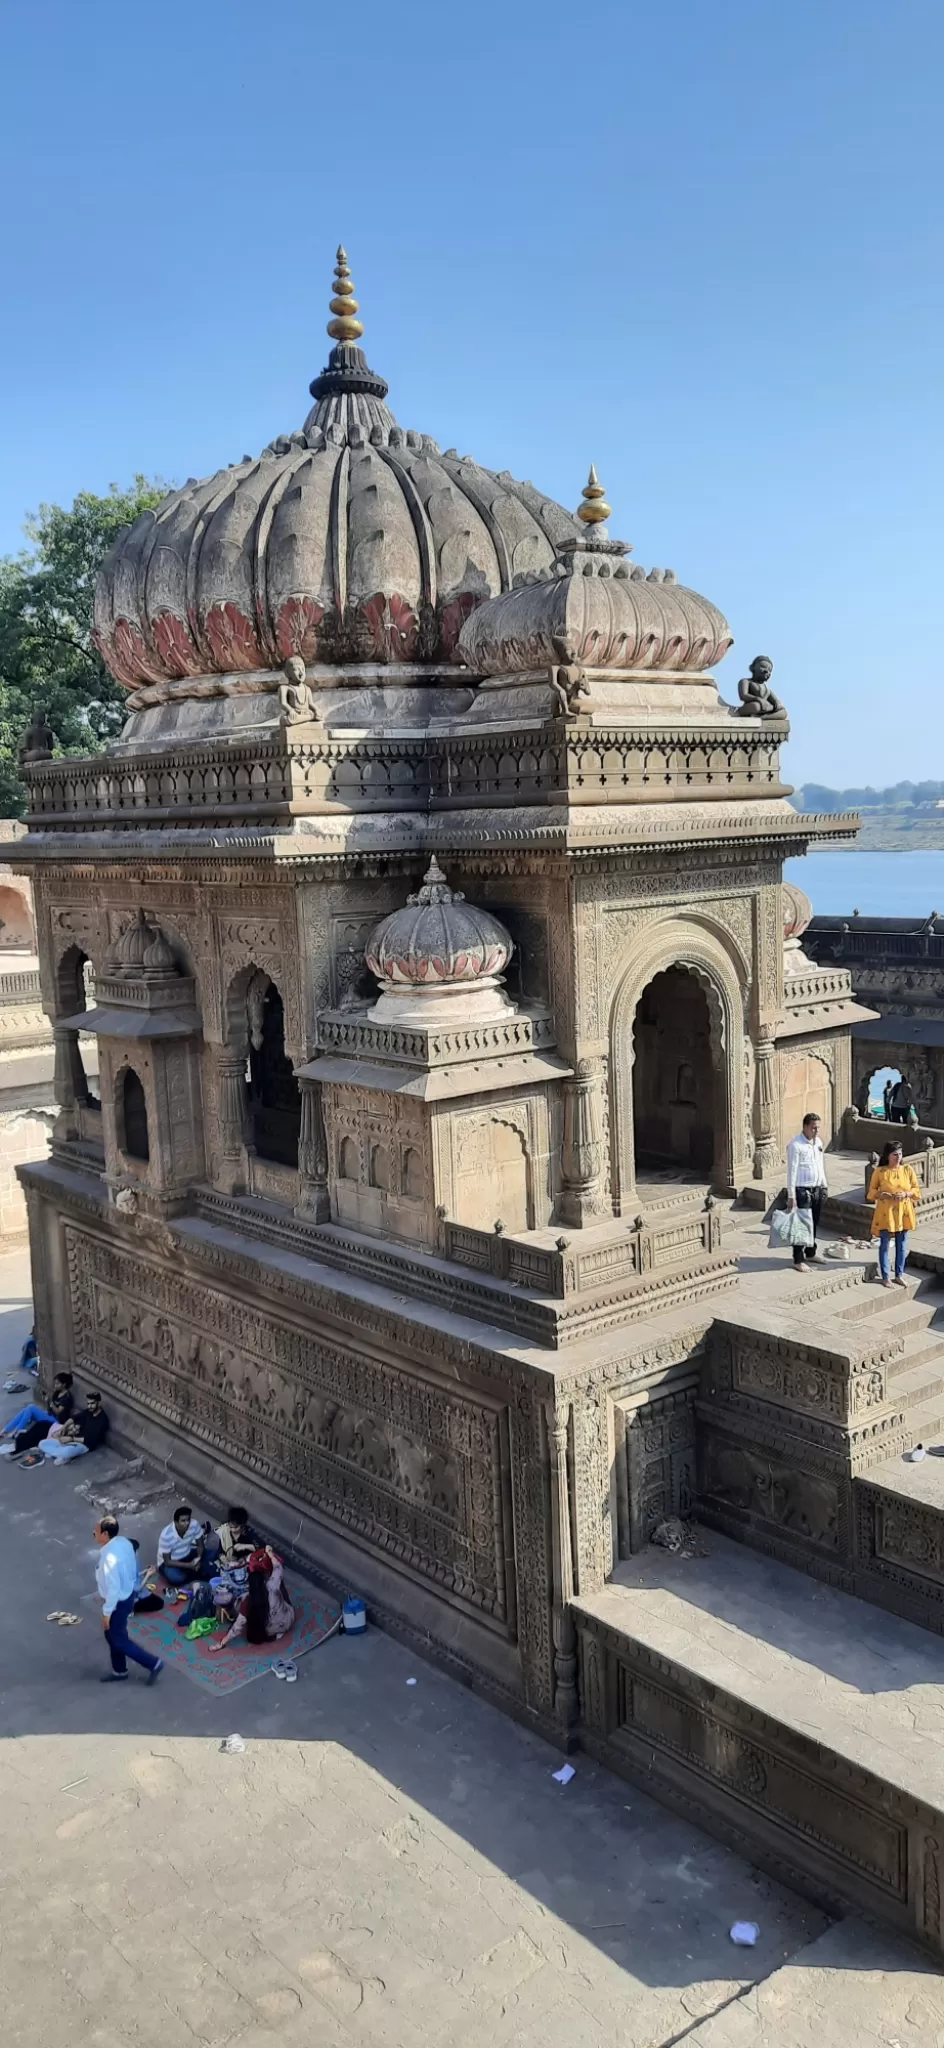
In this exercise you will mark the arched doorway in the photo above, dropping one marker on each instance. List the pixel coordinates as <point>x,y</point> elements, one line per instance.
<point>675,1105</point>
<point>274,1098</point>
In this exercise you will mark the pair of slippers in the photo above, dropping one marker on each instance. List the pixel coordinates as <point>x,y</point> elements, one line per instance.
<point>284,1668</point>
<point>64,1620</point>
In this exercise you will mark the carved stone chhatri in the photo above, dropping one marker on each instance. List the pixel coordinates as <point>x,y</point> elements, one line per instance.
<point>427,913</point>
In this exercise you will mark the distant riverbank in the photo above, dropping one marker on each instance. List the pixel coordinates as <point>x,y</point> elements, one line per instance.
<point>876,884</point>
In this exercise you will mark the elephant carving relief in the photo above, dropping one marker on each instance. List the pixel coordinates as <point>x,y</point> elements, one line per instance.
<point>801,1503</point>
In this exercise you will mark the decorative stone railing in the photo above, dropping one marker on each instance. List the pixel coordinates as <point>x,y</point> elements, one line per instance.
<point>349,1036</point>
<point>870,1133</point>
<point>287,776</point>
<point>20,988</point>
<point>568,1268</point>
<point>832,985</point>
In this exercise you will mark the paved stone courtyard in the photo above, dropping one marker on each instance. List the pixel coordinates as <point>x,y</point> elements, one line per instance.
<point>387,1863</point>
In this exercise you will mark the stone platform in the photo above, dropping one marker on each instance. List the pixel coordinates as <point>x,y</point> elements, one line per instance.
<point>796,1719</point>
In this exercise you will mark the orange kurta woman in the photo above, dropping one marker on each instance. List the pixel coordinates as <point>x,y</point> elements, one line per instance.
<point>894,1190</point>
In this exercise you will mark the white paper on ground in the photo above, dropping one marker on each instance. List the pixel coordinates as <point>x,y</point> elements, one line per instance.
<point>744,1933</point>
<point>564,1775</point>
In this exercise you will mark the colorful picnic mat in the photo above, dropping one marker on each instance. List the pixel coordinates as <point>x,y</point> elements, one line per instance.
<point>225,1671</point>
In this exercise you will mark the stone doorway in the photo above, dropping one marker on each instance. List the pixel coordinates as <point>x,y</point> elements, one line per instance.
<point>675,1084</point>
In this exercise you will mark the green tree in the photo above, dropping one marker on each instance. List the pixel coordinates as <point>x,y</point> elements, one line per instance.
<point>47,655</point>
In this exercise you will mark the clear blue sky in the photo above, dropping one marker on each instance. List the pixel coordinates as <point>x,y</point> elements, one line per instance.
<point>698,243</point>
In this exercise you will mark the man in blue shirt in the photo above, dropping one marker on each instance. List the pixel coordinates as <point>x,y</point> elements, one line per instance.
<point>116,1576</point>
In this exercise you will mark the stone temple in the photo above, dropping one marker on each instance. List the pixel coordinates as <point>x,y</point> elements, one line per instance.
<point>450,1016</point>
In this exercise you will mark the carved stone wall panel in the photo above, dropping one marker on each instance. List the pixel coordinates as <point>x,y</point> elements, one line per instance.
<point>593,1534</point>
<point>753,1769</point>
<point>747,1483</point>
<point>534,1561</point>
<point>654,1466</point>
<point>416,1470</point>
<point>769,953</point>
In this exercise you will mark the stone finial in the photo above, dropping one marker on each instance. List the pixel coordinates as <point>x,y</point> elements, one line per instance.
<point>345,326</point>
<point>435,888</point>
<point>595,509</point>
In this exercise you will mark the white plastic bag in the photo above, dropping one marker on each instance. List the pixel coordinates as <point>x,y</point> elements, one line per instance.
<point>789,1227</point>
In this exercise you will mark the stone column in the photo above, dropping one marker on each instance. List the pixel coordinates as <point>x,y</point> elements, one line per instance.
<point>314,1201</point>
<point>767,1155</point>
<point>231,1111</point>
<point>565,1639</point>
<point>70,1086</point>
<point>583,1191</point>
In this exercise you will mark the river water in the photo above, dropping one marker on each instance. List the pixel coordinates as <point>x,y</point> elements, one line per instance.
<point>875,884</point>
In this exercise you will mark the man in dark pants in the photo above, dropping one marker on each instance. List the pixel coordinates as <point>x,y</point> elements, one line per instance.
<point>116,1577</point>
<point>806,1182</point>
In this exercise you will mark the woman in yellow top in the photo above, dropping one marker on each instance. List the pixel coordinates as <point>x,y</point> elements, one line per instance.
<point>894,1190</point>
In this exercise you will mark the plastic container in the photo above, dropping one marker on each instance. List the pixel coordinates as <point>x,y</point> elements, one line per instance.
<point>353,1618</point>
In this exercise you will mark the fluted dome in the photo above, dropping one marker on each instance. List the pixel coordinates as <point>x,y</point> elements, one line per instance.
<point>797,910</point>
<point>141,946</point>
<point>438,941</point>
<point>596,609</point>
<point>350,541</point>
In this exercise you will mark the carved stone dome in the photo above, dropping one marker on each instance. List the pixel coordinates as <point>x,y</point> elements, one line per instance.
<point>438,942</point>
<point>350,541</point>
<point>141,946</point>
<point>596,609</point>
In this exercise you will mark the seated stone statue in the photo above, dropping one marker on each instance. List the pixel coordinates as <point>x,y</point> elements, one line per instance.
<point>757,698</point>
<point>38,739</point>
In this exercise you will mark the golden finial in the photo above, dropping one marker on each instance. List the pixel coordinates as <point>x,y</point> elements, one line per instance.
<point>596,509</point>
<point>345,326</point>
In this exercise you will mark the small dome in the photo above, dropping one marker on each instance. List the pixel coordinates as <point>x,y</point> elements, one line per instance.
<point>596,609</point>
<point>439,940</point>
<point>797,910</point>
<point>141,945</point>
<point>349,541</point>
<point>598,612</point>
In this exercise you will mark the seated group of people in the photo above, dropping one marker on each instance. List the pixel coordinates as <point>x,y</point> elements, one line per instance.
<point>243,1578</point>
<point>58,1430</point>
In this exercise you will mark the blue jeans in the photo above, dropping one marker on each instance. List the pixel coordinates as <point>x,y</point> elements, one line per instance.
<point>119,1645</point>
<point>31,1413</point>
<point>901,1252</point>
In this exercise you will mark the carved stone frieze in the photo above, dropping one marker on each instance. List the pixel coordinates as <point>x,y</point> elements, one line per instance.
<point>413,1468</point>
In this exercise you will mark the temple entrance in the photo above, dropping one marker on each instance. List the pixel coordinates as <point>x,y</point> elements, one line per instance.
<point>674,1086</point>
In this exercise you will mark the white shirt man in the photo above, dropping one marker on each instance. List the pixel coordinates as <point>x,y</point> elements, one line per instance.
<point>116,1575</point>
<point>806,1182</point>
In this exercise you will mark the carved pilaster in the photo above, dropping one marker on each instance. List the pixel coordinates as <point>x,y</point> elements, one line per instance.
<point>767,1154</point>
<point>565,1640</point>
<point>313,1198</point>
<point>583,1183</point>
<point>231,1100</point>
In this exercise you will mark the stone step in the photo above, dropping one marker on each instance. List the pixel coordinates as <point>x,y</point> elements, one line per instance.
<point>912,1382</point>
<point>798,1721</point>
<point>922,1348</point>
<point>895,1312</point>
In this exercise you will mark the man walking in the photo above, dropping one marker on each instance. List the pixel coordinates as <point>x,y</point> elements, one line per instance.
<point>806,1182</point>
<point>116,1577</point>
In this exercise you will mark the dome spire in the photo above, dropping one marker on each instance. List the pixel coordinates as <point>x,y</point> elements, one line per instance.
<point>595,510</point>
<point>345,326</point>
<point>349,394</point>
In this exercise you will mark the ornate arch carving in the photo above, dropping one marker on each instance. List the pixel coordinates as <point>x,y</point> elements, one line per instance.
<point>723,974</point>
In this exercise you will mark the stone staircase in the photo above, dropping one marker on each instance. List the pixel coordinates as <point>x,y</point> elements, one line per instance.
<point>776,1685</point>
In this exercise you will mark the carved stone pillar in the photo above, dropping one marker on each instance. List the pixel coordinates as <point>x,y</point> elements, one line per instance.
<point>583,1189</point>
<point>565,1637</point>
<point>70,1086</point>
<point>313,1198</point>
<point>231,1110</point>
<point>767,1155</point>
